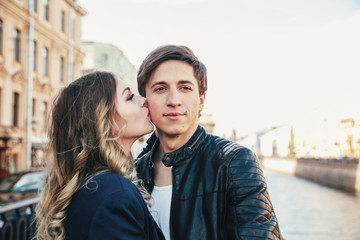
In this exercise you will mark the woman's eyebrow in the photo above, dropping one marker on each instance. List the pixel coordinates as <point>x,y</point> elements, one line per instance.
<point>126,89</point>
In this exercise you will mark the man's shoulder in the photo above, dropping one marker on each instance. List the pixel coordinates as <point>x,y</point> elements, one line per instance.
<point>223,145</point>
<point>226,149</point>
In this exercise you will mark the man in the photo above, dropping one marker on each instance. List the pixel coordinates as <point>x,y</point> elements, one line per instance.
<point>202,186</point>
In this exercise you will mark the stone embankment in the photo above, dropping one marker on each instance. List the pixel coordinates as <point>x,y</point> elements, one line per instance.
<point>343,174</point>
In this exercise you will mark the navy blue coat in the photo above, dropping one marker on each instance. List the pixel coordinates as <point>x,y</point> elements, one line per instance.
<point>109,207</point>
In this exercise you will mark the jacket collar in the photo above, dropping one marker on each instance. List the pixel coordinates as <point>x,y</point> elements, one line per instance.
<point>174,158</point>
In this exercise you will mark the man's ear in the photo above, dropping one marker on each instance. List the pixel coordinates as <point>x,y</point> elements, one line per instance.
<point>202,101</point>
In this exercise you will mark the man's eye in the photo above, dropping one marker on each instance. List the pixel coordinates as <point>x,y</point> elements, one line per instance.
<point>131,97</point>
<point>186,88</point>
<point>159,89</point>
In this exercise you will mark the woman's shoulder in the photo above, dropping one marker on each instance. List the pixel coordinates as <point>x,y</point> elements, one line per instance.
<point>102,202</point>
<point>110,182</point>
<point>106,188</point>
<point>111,176</point>
<point>115,192</point>
<point>101,187</point>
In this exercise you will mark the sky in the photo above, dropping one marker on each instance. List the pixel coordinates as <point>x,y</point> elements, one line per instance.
<point>268,62</point>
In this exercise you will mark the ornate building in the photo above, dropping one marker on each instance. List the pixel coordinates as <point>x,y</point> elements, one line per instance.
<point>40,52</point>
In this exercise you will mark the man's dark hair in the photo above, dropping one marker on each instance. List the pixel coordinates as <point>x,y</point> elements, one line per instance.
<point>171,52</point>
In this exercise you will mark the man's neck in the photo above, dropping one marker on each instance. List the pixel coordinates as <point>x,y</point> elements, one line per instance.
<point>170,143</point>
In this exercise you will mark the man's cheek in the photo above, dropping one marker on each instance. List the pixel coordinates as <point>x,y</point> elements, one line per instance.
<point>151,111</point>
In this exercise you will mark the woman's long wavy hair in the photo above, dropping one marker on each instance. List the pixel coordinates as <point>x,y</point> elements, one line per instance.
<point>83,140</point>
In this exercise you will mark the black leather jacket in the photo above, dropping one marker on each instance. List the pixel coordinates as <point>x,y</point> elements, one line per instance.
<point>219,190</point>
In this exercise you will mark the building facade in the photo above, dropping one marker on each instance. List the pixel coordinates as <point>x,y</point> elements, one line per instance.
<point>40,52</point>
<point>107,57</point>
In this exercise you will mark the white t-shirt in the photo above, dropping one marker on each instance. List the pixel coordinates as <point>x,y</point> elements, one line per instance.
<point>160,208</point>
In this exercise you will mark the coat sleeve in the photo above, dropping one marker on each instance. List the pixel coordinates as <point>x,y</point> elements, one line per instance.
<point>250,213</point>
<point>119,217</point>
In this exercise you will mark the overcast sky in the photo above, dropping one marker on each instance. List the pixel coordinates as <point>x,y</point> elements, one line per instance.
<point>268,61</point>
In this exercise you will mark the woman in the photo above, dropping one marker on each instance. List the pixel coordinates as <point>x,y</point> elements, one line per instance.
<point>92,190</point>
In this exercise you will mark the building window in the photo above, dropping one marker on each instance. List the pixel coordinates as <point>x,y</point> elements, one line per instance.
<point>63,21</point>
<point>104,60</point>
<point>16,110</point>
<point>35,5</point>
<point>33,107</point>
<point>62,69</point>
<point>35,56</point>
<point>1,36</point>
<point>46,9</point>
<point>34,118</point>
<point>45,115</point>
<point>45,58</point>
<point>17,45</point>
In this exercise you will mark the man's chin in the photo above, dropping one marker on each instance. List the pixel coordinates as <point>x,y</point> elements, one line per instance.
<point>172,132</point>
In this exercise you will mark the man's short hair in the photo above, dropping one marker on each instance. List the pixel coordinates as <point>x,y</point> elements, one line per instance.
<point>171,52</point>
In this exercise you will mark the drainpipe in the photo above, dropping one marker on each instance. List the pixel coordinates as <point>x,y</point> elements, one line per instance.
<point>71,42</point>
<point>30,84</point>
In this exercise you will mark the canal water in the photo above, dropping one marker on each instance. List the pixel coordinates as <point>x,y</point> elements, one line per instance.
<point>306,210</point>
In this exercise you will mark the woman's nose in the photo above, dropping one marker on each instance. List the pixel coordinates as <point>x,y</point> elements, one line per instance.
<point>142,101</point>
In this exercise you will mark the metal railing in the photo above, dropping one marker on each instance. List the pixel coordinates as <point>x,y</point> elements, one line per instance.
<point>16,220</point>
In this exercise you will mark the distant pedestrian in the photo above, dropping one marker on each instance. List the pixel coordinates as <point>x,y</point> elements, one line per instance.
<point>202,186</point>
<point>92,190</point>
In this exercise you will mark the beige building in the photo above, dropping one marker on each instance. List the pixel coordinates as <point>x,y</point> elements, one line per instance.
<point>107,57</point>
<point>40,52</point>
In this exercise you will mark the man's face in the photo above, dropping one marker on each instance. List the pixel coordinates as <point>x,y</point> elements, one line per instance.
<point>173,99</point>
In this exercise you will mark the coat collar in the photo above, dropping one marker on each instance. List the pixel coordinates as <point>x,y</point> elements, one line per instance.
<point>174,158</point>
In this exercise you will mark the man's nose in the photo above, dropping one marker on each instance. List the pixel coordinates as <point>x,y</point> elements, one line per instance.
<point>173,98</point>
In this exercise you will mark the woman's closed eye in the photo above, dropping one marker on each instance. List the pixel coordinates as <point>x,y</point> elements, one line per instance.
<point>130,97</point>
